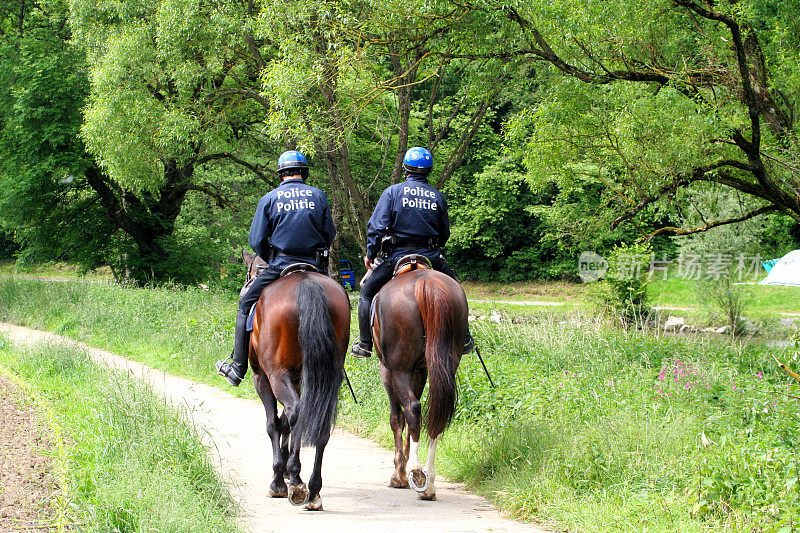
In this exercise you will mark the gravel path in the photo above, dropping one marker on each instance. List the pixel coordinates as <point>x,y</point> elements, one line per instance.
<point>355,470</point>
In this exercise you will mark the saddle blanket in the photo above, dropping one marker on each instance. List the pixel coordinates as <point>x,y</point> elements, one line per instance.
<point>251,317</point>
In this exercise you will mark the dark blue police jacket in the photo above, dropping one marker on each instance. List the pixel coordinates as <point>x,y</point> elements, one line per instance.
<point>412,210</point>
<point>294,218</point>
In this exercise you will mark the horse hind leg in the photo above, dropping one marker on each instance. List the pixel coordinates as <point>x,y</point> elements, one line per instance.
<point>430,469</point>
<point>412,411</point>
<point>315,481</point>
<point>418,477</point>
<point>397,421</point>
<point>287,395</point>
<point>284,423</point>
<point>277,488</point>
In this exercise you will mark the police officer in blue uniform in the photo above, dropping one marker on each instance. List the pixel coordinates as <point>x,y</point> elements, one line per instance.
<point>413,214</point>
<point>292,224</point>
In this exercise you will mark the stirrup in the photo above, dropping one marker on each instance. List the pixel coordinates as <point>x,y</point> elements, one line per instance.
<point>226,370</point>
<point>361,349</point>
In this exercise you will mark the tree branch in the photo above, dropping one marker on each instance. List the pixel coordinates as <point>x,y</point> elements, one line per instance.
<point>698,174</point>
<point>709,225</point>
<point>258,170</point>
<point>212,191</point>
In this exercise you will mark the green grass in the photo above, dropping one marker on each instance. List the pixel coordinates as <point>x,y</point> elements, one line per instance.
<point>762,299</point>
<point>53,270</point>
<point>582,432</point>
<point>555,291</point>
<point>180,331</point>
<point>590,428</point>
<point>128,462</point>
<point>764,305</point>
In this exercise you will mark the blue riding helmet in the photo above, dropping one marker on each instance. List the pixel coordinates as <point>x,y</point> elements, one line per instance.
<point>292,159</point>
<point>418,160</point>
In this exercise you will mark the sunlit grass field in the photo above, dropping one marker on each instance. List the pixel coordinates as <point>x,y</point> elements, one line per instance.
<point>590,428</point>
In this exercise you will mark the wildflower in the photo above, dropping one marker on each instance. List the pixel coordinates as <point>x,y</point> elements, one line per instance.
<point>760,375</point>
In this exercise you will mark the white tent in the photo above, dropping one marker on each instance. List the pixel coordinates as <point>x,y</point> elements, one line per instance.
<point>786,271</point>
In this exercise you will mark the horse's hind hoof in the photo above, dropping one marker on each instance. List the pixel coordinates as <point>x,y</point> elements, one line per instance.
<point>298,494</point>
<point>277,494</point>
<point>398,483</point>
<point>428,496</point>
<point>418,480</point>
<point>314,505</point>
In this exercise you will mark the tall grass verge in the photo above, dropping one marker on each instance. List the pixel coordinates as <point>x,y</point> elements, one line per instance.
<point>130,462</point>
<point>590,428</point>
<point>596,429</point>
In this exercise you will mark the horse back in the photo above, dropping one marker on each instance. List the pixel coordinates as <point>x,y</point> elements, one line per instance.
<point>399,324</point>
<point>398,294</point>
<point>274,343</point>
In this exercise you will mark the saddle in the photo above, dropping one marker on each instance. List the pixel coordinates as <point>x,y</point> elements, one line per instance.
<point>299,267</point>
<point>410,262</point>
<point>291,269</point>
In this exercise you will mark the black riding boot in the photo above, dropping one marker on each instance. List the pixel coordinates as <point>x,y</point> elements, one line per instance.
<point>363,346</point>
<point>235,370</point>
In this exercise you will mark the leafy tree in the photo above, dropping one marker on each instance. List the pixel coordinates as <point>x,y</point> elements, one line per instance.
<point>651,99</point>
<point>174,89</point>
<point>357,83</point>
<point>498,233</point>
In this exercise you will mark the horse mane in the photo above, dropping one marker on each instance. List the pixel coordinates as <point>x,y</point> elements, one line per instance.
<point>438,319</point>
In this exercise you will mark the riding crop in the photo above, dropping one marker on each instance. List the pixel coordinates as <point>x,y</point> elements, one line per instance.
<point>478,351</point>
<point>351,387</point>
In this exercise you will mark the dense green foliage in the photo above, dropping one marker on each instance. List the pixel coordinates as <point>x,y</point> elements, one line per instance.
<point>590,428</point>
<point>141,134</point>
<point>127,461</point>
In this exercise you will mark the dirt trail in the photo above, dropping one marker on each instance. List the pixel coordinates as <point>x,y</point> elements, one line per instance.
<point>355,470</point>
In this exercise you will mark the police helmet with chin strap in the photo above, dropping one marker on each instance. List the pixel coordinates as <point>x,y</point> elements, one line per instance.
<point>418,161</point>
<point>292,162</point>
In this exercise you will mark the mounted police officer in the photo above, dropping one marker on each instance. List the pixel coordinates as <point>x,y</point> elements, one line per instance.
<point>292,224</point>
<point>410,218</point>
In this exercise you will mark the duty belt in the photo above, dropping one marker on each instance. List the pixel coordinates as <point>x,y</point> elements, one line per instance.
<point>320,257</point>
<point>279,253</point>
<point>391,243</point>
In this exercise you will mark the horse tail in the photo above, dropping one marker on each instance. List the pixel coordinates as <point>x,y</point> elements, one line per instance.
<point>438,319</point>
<point>323,368</point>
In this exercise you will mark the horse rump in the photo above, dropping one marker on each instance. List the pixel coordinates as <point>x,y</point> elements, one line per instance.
<point>323,369</point>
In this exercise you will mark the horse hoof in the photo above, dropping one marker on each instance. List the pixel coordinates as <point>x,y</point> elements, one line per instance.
<point>418,480</point>
<point>398,483</point>
<point>427,496</point>
<point>277,494</point>
<point>314,505</point>
<point>298,494</point>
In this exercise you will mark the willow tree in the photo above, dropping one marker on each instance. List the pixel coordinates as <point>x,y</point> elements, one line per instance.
<point>174,89</point>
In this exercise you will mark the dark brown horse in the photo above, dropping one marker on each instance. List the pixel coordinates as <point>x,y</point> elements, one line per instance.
<point>300,335</point>
<point>419,328</point>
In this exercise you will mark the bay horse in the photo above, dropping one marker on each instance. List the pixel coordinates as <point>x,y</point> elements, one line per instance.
<point>300,335</point>
<point>419,327</point>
